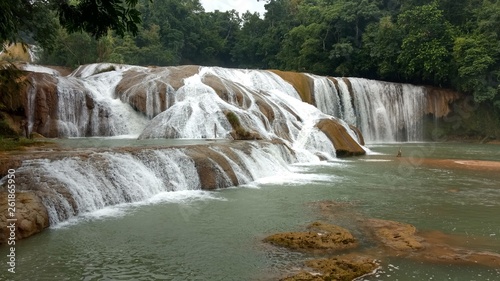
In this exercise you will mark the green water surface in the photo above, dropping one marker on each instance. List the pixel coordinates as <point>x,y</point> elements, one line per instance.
<point>195,235</point>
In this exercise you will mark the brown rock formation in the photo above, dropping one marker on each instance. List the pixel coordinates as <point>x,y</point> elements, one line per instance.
<point>358,133</point>
<point>213,168</point>
<point>322,236</point>
<point>343,142</point>
<point>348,267</point>
<point>35,94</point>
<point>302,84</point>
<point>44,88</point>
<point>229,92</point>
<point>403,240</point>
<point>161,81</point>
<point>439,101</point>
<point>399,237</point>
<point>30,214</point>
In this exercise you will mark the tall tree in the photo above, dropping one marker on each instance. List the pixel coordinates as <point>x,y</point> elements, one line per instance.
<point>427,45</point>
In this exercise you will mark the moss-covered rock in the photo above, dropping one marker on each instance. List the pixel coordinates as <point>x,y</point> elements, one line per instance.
<point>348,267</point>
<point>239,132</point>
<point>321,236</point>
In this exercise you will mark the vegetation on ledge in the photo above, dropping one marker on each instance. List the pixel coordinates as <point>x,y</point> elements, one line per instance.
<point>10,144</point>
<point>239,132</point>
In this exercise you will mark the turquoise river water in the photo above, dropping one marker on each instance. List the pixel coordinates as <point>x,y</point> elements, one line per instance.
<point>199,235</point>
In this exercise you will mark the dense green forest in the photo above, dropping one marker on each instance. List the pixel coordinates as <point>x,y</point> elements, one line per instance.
<point>447,43</point>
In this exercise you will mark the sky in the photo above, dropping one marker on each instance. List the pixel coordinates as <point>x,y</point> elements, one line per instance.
<point>241,6</point>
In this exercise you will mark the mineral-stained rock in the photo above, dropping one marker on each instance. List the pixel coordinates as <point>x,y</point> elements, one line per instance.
<point>157,85</point>
<point>439,101</point>
<point>30,214</point>
<point>395,235</point>
<point>401,239</point>
<point>344,144</point>
<point>213,169</point>
<point>322,236</point>
<point>446,248</point>
<point>346,267</point>
<point>302,83</point>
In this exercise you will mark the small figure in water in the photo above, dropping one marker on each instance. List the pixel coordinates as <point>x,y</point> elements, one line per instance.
<point>399,152</point>
<point>215,130</point>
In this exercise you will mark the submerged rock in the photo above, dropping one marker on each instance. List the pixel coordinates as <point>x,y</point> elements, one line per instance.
<point>30,216</point>
<point>322,236</point>
<point>401,239</point>
<point>395,235</point>
<point>348,267</point>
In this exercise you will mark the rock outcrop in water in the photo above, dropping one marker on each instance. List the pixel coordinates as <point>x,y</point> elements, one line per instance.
<point>396,236</point>
<point>347,267</point>
<point>321,236</point>
<point>384,238</point>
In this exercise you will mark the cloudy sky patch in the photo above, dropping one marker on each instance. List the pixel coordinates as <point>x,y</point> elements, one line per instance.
<point>241,6</point>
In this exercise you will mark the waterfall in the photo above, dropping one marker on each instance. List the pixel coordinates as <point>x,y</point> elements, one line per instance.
<point>259,80</point>
<point>384,112</point>
<point>190,102</point>
<point>264,104</point>
<point>194,102</point>
<point>70,186</point>
<point>86,107</point>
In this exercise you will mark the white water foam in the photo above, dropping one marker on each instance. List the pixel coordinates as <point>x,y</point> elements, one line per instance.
<point>183,198</point>
<point>40,69</point>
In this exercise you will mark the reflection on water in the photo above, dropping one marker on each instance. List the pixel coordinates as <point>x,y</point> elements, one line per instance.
<point>217,235</point>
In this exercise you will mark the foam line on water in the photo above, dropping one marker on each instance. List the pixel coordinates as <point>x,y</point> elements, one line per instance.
<point>183,197</point>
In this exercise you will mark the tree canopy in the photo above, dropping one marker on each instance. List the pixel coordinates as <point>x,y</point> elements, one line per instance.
<point>448,43</point>
<point>26,20</point>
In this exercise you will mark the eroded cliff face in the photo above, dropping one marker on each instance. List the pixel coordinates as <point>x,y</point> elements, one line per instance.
<point>439,101</point>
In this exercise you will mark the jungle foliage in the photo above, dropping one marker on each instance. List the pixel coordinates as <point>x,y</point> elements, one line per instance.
<point>447,43</point>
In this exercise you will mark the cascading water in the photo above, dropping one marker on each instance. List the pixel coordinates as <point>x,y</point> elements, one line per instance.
<point>259,80</point>
<point>105,100</point>
<point>89,104</point>
<point>271,110</point>
<point>384,112</point>
<point>86,108</point>
<point>94,180</point>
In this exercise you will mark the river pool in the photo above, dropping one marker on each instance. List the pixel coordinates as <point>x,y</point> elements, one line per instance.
<point>201,235</point>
